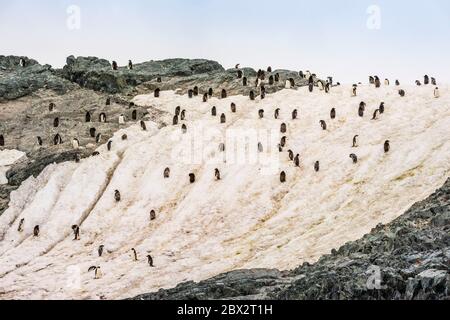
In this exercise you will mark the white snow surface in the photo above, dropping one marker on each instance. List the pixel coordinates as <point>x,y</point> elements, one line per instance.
<point>248,219</point>
<point>8,158</point>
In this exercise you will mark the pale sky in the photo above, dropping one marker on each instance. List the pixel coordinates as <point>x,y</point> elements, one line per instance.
<point>330,37</point>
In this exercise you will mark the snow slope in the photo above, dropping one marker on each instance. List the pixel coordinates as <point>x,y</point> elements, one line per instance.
<point>8,158</point>
<point>248,219</point>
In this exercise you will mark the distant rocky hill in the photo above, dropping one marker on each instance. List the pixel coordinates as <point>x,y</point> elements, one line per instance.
<point>411,255</point>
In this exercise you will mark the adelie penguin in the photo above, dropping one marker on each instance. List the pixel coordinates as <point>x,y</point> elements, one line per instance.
<point>98,138</point>
<point>354,90</point>
<point>217,174</point>
<point>150,261</point>
<point>100,250</point>
<point>381,108</point>
<point>377,82</point>
<point>418,83</point>
<point>223,118</point>
<point>87,117</point>
<point>387,146</point>
<point>39,139</point>
<point>134,115</point>
<point>57,140</point>
<point>124,137</point>
<point>121,119</point>
<point>277,113</point>
<point>333,113</point>
<point>102,117</point>
<point>297,160</point>
<point>402,93</point>
<point>117,196</point>
<point>323,125</point>
<point>244,81</point>
<point>192,178</point>
<point>109,145</point>
<point>205,97</point>
<point>426,80</point>
<point>36,231</point>
<point>283,142</point>
<point>184,129</point>
<point>261,113</point>
<point>76,232</point>
<point>223,94</point>
<point>433,81</point>
<point>114,66</point>
<point>195,91</point>
<point>22,63</point>
<point>239,74</point>
<point>354,158</point>
<point>317,166</point>
<point>361,109</point>
<point>375,114</point>
<point>283,177</point>
<point>130,65</point>
<point>355,141</point>
<point>252,95</point>
<point>183,115</point>
<point>143,125</point>
<point>152,215</point>
<point>214,111</point>
<point>277,77</point>
<point>166,173</point>
<point>371,80</point>
<point>436,93</point>
<point>190,93</point>
<point>210,92</point>
<point>283,128</point>
<point>386,82</point>
<point>177,111</point>
<point>159,79</point>
<point>51,107</point>
<point>135,257</point>
<point>294,114</point>
<point>75,143</point>
<point>20,227</point>
<point>291,155</point>
<point>271,80</point>
<point>233,107</point>
<point>397,83</point>
<point>222,147</point>
<point>157,93</point>
<point>56,123</point>
<point>175,120</point>
<point>260,147</point>
<point>97,272</point>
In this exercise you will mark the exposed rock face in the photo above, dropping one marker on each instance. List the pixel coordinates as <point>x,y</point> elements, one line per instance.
<point>17,81</point>
<point>411,255</point>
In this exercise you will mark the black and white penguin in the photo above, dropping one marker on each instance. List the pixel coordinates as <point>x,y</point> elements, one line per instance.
<point>271,80</point>
<point>402,93</point>
<point>387,146</point>
<point>134,115</point>
<point>381,108</point>
<point>157,93</point>
<point>418,83</point>
<point>75,143</point>
<point>76,232</point>
<point>277,77</point>
<point>143,125</point>
<point>375,114</point>
<point>323,124</point>
<point>57,140</point>
<point>260,147</point>
<point>269,69</point>
<point>294,114</point>
<point>252,95</point>
<point>377,82</point>
<point>183,115</point>
<point>152,215</point>
<point>283,142</point>
<point>261,113</point>
<point>130,65</point>
<point>190,93</point>
<point>222,147</point>
<point>39,139</point>
<point>97,272</point>
<point>386,82</point>
<point>217,174</point>
<point>20,227</point>
<point>22,63</point>
<point>87,117</point>
<point>36,231</point>
<point>283,177</point>
<point>210,92</point>
<point>159,79</point>
<point>244,81</point>
<point>361,109</point>
<point>239,74</point>
<point>117,196</point>
<point>2,140</point>
<point>223,95</point>
<point>175,120</point>
<point>56,123</point>
<point>426,80</point>
<point>150,261</point>
<point>397,83</point>
<point>433,81</point>
<point>95,153</point>
<point>102,118</point>
<point>283,128</point>
<point>436,93</point>
<point>301,74</point>
<point>167,173</point>
<point>124,137</point>
<point>100,250</point>
<point>277,113</point>
<point>354,90</point>
<point>233,107</point>
<point>205,97</point>
<point>354,158</point>
<point>297,160</point>
<point>133,251</point>
<point>333,113</point>
<point>109,145</point>
<point>311,87</point>
<point>317,166</point>
<point>291,155</point>
<point>121,119</point>
<point>371,80</point>
<point>223,118</point>
<point>114,65</point>
<point>183,128</point>
<point>98,138</point>
<point>51,107</point>
<point>355,141</point>
<point>192,178</point>
<point>196,91</point>
<point>214,111</point>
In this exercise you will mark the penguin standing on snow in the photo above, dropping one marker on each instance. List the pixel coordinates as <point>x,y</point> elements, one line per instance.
<point>323,124</point>
<point>354,158</point>
<point>150,261</point>
<point>294,114</point>
<point>354,89</point>
<point>21,223</point>
<point>121,119</point>
<point>277,113</point>
<point>39,139</point>
<point>426,80</point>
<point>401,93</point>
<point>36,231</point>
<point>355,141</point>
<point>436,93</point>
<point>100,250</point>
<point>283,177</point>
<point>192,178</point>
<point>217,174</point>
<point>75,143</point>
<point>114,65</point>
<point>167,173</point>
<point>135,257</point>
<point>386,82</point>
<point>130,65</point>
<point>381,108</point>
<point>22,62</point>
<point>97,272</point>
<point>76,232</point>
<point>143,125</point>
<point>117,196</point>
<point>109,145</point>
<point>375,114</point>
<point>387,146</point>
<point>152,215</point>
<point>317,166</point>
<point>297,160</point>
<point>333,113</point>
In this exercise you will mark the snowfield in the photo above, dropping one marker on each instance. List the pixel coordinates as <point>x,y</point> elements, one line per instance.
<point>248,219</point>
<point>7,159</point>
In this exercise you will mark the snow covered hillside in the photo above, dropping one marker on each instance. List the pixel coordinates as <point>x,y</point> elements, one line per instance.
<point>248,218</point>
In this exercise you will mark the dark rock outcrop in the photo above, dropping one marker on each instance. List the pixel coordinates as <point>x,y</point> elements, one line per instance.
<point>408,259</point>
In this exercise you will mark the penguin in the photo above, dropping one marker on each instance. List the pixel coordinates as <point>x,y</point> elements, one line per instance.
<point>217,174</point>
<point>377,82</point>
<point>223,94</point>
<point>184,129</point>
<point>98,138</point>
<point>258,83</point>
<point>277,77</point>
<point>297,160</point>
<point>311,87</point>
<point>354,158</point>
<point>261,113</point>
<point>134,115</point>
<point>223,118</point>
<point>263,93</point>
<point>436,93</point>
<point>397,83</point>
<point>222,147</point>
<point>418,83</point>
<point>294,114</point>
<point>130,65</point>
<point>157,93</point>
<point>39,139</point>
<point>214,111</point>
<point>177,111</point>
<point>307,74</point>
<point>283,128</point>
<point>22,62</point>
<point>109,145</point>
<point>239,74</point>
<point>57,139</point>
<point>192,178</point>
<point>121,119</point>
<point>317,166</point>
<point>76,232</point>
<point>210,92</point>
<point>143,125</point>
<point>269,69</point>
<point>51,107</point>
<point>114,65</point>
<point>386,82</point>
<point>117,196</point>
<point>97,272</point>
<point>433,81</point>
<point>260,147</point>
<point>354,90</point>
<point>167,173</point>
<point>283,142</point>
<point>183,115</point>
<point>330,80</point>
<point>36,231</point>
<point>288,84</point>
<point>355,141</point>
<point>75,143</point>
<point>375,114</point>
<point>252,95</point>
<point>152,215</point>
<point>280,148</point>
<point>56,123</point>
<point>131,105</point>
<point>323,124</point>
<point>333,113</point>
<point>175,120</point>
<point>283,177</point>
<point>426,80</point>
<point>190,93</point>
<point>196,91</point>
<point>21,223</point>
<point>233,107</point>
<point>135,257</point>
<point>150,261</point>
<point>311,80</point>
<point>102,118</point>
<point>100,250</point>
<point>401,93</point>
<point>244,81</point>
<point>96,153</point>
<point>237,66</point>
<point>320,85</point>
<point>277,113</point>
<point>124,137</point>
<point>291,155</point>
<point>371,80</point>
<point>159,79</point>
<point>381,108</point>
<point>362,108</point>
<point>87,118</point>
<point>205,97</point>
<point>77,158</point>
<point>108,101</point>
<point>327,87</point>
<point>301,74</point>
<point>387,146</point>
<point>271,80</point>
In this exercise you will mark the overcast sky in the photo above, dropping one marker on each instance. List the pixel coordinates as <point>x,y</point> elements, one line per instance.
<point>348,39</point>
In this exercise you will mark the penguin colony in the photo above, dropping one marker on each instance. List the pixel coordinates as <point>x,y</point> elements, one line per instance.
<point>180,115</point>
